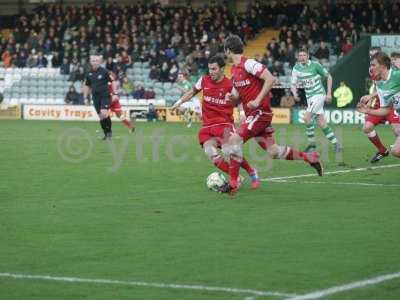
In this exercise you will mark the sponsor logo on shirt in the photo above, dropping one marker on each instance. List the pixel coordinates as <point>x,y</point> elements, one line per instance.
<point>214,100</point>
<point>241,83</point>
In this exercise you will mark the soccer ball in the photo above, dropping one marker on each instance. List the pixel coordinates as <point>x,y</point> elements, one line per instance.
<point>216,182</point>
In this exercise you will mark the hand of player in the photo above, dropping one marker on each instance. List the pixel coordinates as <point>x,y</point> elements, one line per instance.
<point>254,104</point>
<point>175,106</point>
<point>328,98</point>
<point>362,108</point>
<point>365,99</point>
<point>229,97</point>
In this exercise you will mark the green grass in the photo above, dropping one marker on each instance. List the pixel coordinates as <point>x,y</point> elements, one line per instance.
<point>128,212</point>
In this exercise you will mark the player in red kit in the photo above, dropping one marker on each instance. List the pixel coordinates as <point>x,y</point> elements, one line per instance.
<point>217,117</point>
<point>115,107</point>
<point>253,83</point>
<point>371,121</point>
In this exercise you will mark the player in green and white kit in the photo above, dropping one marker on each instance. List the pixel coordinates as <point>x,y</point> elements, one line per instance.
<point>190,107</point>
<point>309,74</point>
<point>388,90</point>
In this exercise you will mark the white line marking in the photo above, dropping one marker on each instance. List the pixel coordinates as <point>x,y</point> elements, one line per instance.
<point>337,183</point>
<point>346,287</point>
<point>333,172</point>
<point>148,284</point>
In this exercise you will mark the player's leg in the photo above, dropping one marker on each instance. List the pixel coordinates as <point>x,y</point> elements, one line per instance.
<point>235,153</point>
<point>105,117</point>
<point>310,130</point>
<point>97,107</point>
<point>394,119</point>
<point>211,150</point>
<point>328,132</point>
<point>369,130</point>
<point>105,104</point>
<point>287,153</point>
<point>124,120</point>
<point>244,164</point>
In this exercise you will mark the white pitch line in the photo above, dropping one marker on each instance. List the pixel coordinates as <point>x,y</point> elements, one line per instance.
<point>337,183</point>
<point>346,287</point>
<point>148,284</point>
<point>333,172</point>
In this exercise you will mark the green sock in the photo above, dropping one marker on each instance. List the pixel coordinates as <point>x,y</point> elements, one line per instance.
<point>310,132</point>
<point>329,134</point>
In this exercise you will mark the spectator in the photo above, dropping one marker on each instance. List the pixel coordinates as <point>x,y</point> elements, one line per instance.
<point>65,68</point>
<point>287,100</point>
<point>347,46</point>
<point>149,94</point>
<point>139,93</point>
<point>110,65</point>
<point>154,73</point>
<point>152,115</point>
<point>31,62</point>
<point>322,52</point>
<point>41,61</point>
<point>127,86</point>
<point>343,95</point>
<point>173,72</point>
<point>56,60</point>
<point>73,97</point>
<point>6,57</point>
<point>78,74</point>
<point>126,59</point>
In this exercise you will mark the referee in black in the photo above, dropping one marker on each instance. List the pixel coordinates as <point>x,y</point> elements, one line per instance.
<point>98,82</point>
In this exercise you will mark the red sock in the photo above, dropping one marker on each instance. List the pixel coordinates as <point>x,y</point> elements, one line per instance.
<point>221,164</point>
<point>295,155</point>
<point>263,144</point>
<point>234,167</point>
<point>127,123</point>
<point>245,165</point>
<point>378,144</point>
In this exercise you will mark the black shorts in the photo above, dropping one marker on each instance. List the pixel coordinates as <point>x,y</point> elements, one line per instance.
<point>101,102</point>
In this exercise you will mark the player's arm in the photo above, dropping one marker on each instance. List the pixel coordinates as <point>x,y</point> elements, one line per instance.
<point>86,90</point>
<point>381,112</point>
<point>329,81</point>
<point>242,114</point>
<point>325,73</point>
<point>189,94</point>
<point>233,97</point>
<point>269,81</point>
<point>293,86</point>
<point>365,100</point>
<point>185,97</point>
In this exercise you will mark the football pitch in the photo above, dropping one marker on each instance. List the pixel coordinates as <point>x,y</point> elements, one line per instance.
<point>81,218</point>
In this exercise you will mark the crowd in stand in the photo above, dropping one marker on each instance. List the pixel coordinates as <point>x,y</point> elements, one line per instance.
<point>168,38</point>
<point>171,39</point>
<point>338,25</point>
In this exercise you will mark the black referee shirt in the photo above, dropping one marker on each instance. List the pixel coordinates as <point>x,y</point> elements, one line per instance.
<point>98,81</point>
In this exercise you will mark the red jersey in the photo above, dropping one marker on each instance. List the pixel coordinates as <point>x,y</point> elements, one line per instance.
<point>113,84</point>
<point>245,77</point>
<point>215,108</point>
<point>374,103</point>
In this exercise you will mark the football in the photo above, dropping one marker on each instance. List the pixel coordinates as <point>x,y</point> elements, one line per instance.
<point>216,182</point>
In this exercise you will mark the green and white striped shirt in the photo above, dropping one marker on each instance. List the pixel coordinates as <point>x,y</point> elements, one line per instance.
<point>309,77</point>
<point>389,90</point>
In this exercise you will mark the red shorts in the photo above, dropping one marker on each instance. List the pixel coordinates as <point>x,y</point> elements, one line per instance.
<point>257,126</point>
<point>219,132</point>
<point>115,106</point>
<point>392,118</point>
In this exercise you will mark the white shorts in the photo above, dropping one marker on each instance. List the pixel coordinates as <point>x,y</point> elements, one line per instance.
<point>193,105</point>
<point>315,104</point>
